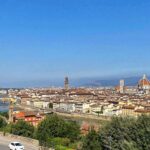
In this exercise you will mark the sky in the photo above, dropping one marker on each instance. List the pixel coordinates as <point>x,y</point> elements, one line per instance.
<point>44,40</point>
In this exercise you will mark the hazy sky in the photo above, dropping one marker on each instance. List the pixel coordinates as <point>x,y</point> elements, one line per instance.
<point>48,39</point>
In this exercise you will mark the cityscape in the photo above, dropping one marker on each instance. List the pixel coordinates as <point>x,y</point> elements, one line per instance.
<point>103,101</point>
<point>87,106</point>
<point>74,75</point>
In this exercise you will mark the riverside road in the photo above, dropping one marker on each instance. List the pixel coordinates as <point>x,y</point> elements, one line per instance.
<point>4,142</point>
<point>2,147</point>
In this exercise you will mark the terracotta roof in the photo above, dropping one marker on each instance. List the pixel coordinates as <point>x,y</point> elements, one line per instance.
<point>142,111</point>
<point>30,113</point>
<point>20,115</point>
<point>26,114</point>
<point>144,81</point>
<point>128,107</point>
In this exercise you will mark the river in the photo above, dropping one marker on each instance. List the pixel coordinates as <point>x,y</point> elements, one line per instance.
<point>4,106</point>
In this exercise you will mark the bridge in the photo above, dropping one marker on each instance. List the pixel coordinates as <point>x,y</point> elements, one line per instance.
<point>7,99</point>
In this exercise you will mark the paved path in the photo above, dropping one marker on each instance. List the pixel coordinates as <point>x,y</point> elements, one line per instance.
<point>3,147</point>
<point>4,142</point>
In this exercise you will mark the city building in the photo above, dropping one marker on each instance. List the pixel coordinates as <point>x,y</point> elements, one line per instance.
<point>144,85</point>
<point>121,88</point>
<point>33,118</point>
<point>122,84</point>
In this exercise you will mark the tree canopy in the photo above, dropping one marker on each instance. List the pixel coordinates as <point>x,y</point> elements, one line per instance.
<point>3,123</point>
<point>122,133</point>
<point>91,141</point>
<point>22,128</point>
<point>53,126</point>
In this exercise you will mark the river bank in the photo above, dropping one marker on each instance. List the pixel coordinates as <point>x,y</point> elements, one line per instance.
<point>85,119</point>
<point>82,119</point>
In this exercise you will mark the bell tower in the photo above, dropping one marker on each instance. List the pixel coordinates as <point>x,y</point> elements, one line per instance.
<point>122,84</point>
<point>11,108</point>
<point>66,83</point>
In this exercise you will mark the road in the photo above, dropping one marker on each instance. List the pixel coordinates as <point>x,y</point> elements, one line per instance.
<point>3,147</point>
<point>4,142</point>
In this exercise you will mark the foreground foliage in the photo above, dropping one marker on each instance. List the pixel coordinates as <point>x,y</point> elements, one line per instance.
<point>55,127</point>
<point>121,134</point>
<point>3,123</point>
<point>91,141</point>
<point>51,132</point>
<point>22,128</point>
<point>4,114</point>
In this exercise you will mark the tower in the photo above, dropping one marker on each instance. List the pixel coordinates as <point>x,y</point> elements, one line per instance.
<point>66,83</point>
<point>122,86</point>
<point>11,112</point>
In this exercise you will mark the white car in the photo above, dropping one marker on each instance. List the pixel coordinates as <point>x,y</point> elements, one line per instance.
<point>16,146</point>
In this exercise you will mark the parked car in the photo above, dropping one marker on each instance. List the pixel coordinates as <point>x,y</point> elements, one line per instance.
<point>16,146</point>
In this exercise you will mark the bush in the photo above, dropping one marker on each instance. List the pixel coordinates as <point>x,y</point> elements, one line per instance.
<point>72,130</point>
<point>121,134</point>
<point>7,128</point>
<point>3,123</point>
<point>116,132</point>
<point>60,147</point>
<point>53,127</point>
<point>140,132</point>
<point>22,128</point>
<point>53,142</point>
<point>91,141</point>
<point>4,114</point>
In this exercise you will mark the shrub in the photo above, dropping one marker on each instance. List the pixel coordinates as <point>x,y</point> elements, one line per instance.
<point>22,128</point>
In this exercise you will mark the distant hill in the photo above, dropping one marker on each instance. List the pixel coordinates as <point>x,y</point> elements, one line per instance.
<point>95,82</point>
<point>80,82</point>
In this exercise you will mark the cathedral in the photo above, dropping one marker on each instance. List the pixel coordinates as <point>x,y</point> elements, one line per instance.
<point>144,85</point>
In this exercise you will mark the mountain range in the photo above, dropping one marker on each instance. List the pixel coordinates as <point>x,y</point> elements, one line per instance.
<point>79,82</point>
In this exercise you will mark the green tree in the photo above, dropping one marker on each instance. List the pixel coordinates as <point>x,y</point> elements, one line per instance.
<point>72,130</point>
<point>3,123</point>
<point>7,129</point>
<point>22,128</point>
<point>51,105</point>
<point>53,126</point>
<point>91,141</point>
<point>116,132</point>
<point>98,112</point>
<point>129,145</point>
<point>4,114</point>
<point>121,133</point>
<point>53,142</point>
<point>140,132</point>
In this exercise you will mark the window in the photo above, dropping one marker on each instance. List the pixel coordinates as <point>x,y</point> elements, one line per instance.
<point>18,144</point>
